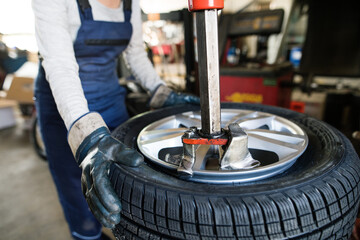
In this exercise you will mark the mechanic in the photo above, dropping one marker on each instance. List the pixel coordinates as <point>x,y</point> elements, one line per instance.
<point>79,101</point>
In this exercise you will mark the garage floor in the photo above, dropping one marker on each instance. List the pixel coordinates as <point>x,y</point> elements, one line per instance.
<point>29,208</point>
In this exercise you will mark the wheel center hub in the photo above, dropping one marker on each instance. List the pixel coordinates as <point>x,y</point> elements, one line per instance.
<point>230,148</point>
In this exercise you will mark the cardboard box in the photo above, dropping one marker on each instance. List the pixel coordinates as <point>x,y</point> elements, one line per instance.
<point>7,116</point>
<point>21,90</point>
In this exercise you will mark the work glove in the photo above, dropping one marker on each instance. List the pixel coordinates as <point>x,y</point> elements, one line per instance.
<point>95,150</point>
<point>165,97</point>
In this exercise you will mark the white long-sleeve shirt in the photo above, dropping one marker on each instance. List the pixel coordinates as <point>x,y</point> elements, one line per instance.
<point>57,23</point>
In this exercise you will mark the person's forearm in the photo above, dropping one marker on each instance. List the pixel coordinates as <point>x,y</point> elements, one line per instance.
<point>67,91</point>
<point>56,47</point>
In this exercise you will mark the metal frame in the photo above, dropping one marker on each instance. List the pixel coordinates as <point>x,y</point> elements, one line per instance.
<point>207,38</point>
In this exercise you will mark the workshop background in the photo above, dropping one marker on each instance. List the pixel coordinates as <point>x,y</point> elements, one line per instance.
<point>287,53</point>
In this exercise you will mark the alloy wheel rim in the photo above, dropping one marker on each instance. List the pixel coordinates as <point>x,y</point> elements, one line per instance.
<point>278,143</point>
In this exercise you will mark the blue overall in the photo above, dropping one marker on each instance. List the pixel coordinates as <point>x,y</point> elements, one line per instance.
<point>97,46</point>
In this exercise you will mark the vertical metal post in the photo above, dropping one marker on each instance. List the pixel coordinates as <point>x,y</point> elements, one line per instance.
<point>208,58</point>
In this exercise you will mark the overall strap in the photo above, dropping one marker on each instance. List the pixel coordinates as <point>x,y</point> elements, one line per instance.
<point>85,9</point>
<point>127,9</point>
<point>86,13</point>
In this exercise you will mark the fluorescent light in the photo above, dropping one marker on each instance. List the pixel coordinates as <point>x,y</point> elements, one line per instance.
<point>162,6</point>
<point>16,16</point>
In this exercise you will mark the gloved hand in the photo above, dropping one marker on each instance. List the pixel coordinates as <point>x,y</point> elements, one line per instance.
<point>165,97</point>
<point>95,154</point>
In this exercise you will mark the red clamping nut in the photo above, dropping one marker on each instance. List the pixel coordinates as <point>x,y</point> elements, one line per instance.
<point>205,141</point>
<point>197,5</point>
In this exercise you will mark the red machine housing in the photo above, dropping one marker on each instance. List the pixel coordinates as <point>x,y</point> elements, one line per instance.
<point>269,86</point>
<point>197,5</point>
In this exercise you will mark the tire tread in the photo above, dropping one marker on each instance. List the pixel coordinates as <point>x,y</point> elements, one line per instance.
<point>323,208</point>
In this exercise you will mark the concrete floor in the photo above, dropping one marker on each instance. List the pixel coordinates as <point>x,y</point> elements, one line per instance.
<point>29,207</point>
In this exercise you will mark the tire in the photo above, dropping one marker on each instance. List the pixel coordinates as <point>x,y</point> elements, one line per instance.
<point>316,198</point>
<point>36,140</point>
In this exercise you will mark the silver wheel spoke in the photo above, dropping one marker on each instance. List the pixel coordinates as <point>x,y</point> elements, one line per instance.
<point>188,121</point>
<point>154,136</point>
<point>257,122</point>
<point>282,136</point>
<point>194,119</point>
<point>281,148</point>
<point>242,116</point>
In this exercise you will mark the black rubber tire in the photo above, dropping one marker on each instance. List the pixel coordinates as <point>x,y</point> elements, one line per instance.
<point>35,138</point>
<point>316,198</point>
